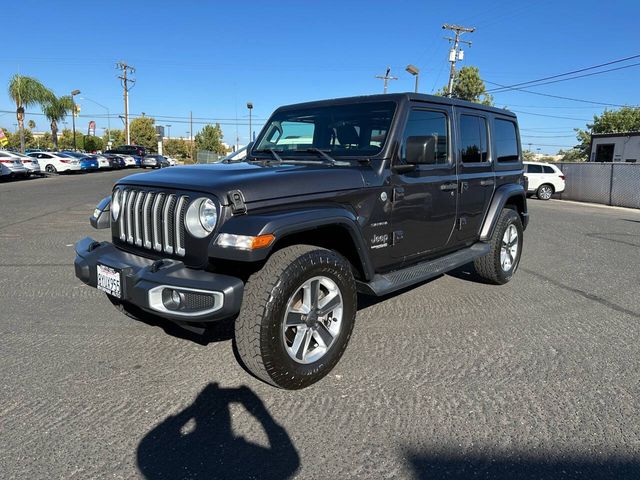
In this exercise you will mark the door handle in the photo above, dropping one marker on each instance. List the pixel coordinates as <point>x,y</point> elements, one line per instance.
<point>398,193</point>
<point>486,183</point>
<point>448,186</point>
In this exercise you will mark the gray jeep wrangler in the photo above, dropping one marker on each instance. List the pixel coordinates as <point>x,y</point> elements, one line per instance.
<point>363,195</point>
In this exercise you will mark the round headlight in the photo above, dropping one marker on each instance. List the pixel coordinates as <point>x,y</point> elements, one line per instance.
<point>201,217</point>
<point>115,205</point>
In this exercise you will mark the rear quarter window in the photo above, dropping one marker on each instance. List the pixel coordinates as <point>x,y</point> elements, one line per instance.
<point>506,139</point>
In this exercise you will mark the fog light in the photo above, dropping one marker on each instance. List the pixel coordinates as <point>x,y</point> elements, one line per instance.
<point>172,299</point>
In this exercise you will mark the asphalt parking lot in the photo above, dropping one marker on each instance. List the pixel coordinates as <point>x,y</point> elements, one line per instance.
<point>451,379</point>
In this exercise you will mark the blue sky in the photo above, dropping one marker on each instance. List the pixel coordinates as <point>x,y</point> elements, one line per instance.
<point>211,57</point>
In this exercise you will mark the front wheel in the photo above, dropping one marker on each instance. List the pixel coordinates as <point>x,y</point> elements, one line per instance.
<point>297,316</point>
<point>499,265</point>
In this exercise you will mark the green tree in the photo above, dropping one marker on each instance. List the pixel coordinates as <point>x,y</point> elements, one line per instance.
<point>91,143</point>
<point>210,139</point>
<point>65,142</point>
<point>176,147</point>
<point>572,155</point>
<point>143,133</point>
<point>56,111</point>
<point>625,119</point>
<point>468,85</point>
<point>528,155</point>
<point>45,142</point>
<point>117,138</point>
<point>25,92</point>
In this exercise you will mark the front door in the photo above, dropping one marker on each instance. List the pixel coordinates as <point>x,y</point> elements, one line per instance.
<point>477,179</point>
<point>424,196</point>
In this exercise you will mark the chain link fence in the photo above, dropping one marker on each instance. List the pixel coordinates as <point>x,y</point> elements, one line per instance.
<point>205,156</point>
<point>616,184</point>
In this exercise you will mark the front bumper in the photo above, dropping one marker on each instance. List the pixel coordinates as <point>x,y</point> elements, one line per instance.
<point>143,280</point>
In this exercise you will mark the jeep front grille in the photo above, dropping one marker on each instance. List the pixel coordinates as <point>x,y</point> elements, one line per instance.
<point>153,220</point>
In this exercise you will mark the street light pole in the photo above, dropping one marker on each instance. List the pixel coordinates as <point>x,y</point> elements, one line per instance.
<point>415,71</point>
<point>73,116</point>
<point>250,107</point>
<point>168,132</point>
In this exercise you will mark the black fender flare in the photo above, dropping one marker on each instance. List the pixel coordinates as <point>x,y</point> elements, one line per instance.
<point>282,224</point>
<point>500,198</point>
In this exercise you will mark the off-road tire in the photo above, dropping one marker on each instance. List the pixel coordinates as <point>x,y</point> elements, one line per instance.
<point>545,191</point>
<point>488,266</point>
<point>258,328</point>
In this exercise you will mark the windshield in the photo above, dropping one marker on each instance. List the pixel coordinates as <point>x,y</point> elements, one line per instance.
<point>341,130</point>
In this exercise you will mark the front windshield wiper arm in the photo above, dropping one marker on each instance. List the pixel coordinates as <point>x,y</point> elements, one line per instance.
<point>322,153</point>
<point>275,155</point>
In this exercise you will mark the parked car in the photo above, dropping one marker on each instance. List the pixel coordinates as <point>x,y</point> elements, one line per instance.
<point>390,191</point>
<point>136,150</point>
<point>31,164</point>
<point>155,161</point>
<point>89,164</point>
<point>129,161</point>
<point>544,179</point>
<point>54,162</point>
<point>236,156</point>
<point>11,166</point>
<point>103,162</point>
<point>172,161</point>
<point>116,162</point>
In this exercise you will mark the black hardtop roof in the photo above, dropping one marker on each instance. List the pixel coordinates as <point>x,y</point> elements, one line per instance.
<point>398,98</point>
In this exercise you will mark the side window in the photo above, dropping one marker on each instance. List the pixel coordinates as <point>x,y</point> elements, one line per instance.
<point>473,139</point>
<point>547,169</point>
<point>425,140</point>
<point>534,168</point>
<point>44,155</point>
<point>506,141</point>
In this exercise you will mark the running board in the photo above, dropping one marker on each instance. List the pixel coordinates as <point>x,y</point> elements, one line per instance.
<point>382,284</point>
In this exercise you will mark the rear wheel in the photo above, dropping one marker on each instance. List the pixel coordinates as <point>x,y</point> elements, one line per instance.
<point>50,169</point>
<point>499,265</point>
<point>297,316</point>
<point>544,192</point>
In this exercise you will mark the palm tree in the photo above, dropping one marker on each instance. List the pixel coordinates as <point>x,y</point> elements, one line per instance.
<point>25,92</point>
<point>56,110</point>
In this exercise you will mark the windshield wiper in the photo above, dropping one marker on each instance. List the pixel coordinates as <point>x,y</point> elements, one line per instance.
<point>322,153</point>
<point>275,155</point>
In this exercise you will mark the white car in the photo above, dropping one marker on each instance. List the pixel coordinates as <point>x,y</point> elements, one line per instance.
<point>545,179</point>
<point>172,161</point>
<point>54,162</point>
<point>31,164</point>
<point>236,156</point>
<point>11,166</point>
<point>129,161</point>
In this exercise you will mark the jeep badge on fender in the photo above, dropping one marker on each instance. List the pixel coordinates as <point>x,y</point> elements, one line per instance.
<point>363,195</point>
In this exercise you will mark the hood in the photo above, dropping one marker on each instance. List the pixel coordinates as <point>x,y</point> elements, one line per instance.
<point>256,181</point>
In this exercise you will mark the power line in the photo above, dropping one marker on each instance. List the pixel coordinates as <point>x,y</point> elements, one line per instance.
<point>498,90</point>
<point>570,73</point>
<point>556,96</point>
<point>552,116</point>
<point>126,69</point>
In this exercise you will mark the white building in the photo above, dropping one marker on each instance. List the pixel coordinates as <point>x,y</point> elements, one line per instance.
<point>615,147</point>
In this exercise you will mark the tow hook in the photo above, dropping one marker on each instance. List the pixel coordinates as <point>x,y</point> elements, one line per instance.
<point>155,266</point>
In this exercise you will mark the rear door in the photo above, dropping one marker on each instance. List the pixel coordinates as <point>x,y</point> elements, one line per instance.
<point>534,174</point>
<point>476,175</point>
<point>425,197</point>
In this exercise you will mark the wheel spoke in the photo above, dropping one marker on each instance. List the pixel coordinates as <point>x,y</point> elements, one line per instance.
<point>324,334</point>
<point>294,319</point>
<point>298,340</point>
<point>315,293</point>
<point>329,304</point>
<point>303,343</point>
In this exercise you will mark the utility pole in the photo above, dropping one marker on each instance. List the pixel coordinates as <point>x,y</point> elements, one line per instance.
<point>124,78</point>
<point>386,77</point>
<point>250,108</point>
<point>191,134</point>
<point>455,53</point>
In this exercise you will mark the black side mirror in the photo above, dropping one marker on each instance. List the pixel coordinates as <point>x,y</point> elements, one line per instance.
<point>421,150</point>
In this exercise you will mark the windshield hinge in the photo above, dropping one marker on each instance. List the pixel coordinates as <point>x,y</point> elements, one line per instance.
<point>237,201</point>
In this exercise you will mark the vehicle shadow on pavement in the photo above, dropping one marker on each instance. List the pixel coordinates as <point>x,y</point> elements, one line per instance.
<point>436,467</point>
<point>199,442</point>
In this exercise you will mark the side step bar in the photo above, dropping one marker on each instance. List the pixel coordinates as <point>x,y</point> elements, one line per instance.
<point>382,284</point>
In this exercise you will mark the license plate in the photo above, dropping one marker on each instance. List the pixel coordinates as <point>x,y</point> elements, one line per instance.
<point>109,280</point>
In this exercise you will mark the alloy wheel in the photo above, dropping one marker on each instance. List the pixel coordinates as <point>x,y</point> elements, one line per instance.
<point>509,248</point>
<point>312,320</point>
